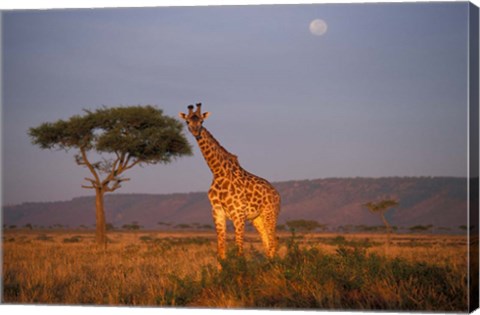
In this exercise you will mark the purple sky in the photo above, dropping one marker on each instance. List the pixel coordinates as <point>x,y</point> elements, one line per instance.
<point>382,93</point>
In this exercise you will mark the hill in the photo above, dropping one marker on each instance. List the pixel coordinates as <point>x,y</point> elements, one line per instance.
<point>440,201</point>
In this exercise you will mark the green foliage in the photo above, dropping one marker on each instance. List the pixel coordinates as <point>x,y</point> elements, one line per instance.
<point>141,132</point>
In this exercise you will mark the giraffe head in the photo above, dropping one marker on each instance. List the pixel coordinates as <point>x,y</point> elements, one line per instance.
<point>194,119</point>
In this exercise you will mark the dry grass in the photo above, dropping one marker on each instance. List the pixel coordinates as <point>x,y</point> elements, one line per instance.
<point>326,271</point>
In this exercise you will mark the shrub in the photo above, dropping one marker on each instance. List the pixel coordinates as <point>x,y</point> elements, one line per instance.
<point>44,237</point>
<point>73,239</point>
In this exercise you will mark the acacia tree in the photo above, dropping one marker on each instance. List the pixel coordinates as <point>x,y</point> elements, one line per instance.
<point>380,208</point>
<point>118,138</point>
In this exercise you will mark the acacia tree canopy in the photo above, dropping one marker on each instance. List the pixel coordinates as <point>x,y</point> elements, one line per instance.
<point>142,134</point>
<point>131,135</point>
<point>381,206</point>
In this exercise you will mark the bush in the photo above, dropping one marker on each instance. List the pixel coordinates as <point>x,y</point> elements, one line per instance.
<point>73,239</point>
<point>44,237</point>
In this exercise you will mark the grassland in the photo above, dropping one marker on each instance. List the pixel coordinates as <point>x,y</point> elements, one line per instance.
<point>321,271</point>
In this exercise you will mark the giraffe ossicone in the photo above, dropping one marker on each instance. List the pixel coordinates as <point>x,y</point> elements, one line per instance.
<point>234,194</point>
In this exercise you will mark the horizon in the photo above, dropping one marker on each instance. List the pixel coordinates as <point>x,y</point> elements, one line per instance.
<point>421,201</point>
<point>121,193</point>
<point>342,99</point>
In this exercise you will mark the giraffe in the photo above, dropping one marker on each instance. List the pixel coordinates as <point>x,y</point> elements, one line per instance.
<point>234,194</point>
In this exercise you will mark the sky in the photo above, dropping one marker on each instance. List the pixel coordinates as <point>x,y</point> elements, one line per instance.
<point>382,92</point>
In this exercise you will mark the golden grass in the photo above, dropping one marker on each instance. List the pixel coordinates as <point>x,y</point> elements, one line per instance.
<point>168,269</point>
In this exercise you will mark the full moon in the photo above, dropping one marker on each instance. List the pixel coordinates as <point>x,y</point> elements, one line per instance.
<point>318,27</point>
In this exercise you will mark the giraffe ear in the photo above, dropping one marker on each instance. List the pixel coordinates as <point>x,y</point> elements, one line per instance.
<point>182,115</point>
<point>205,115</point>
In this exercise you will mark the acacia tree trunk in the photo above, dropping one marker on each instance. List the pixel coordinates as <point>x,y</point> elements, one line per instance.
<point>100,234</point>
<point>109,184</point>
<point>389,228</point>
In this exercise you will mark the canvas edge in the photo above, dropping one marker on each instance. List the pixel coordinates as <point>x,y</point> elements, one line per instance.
<point>473,144</point>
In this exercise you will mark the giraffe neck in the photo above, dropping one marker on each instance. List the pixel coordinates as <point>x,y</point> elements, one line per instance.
<point>219,160</point>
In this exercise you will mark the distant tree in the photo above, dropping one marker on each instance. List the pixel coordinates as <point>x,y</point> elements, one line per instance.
<point>28,226</point>
<point>132,226</point>
<point>421,228</point>
<point>304,225</point>
<point>123,137</point>
<point>109,227</point>
<point>370,228</point>
<point>417,228</point>
<point>380,208</point>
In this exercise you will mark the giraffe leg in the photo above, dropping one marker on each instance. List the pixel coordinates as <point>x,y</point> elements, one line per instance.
<point>239,225</point>
<point>260,226</point>
<point>266,225</point>
<point>271,226</point>
<point>220,221</point>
